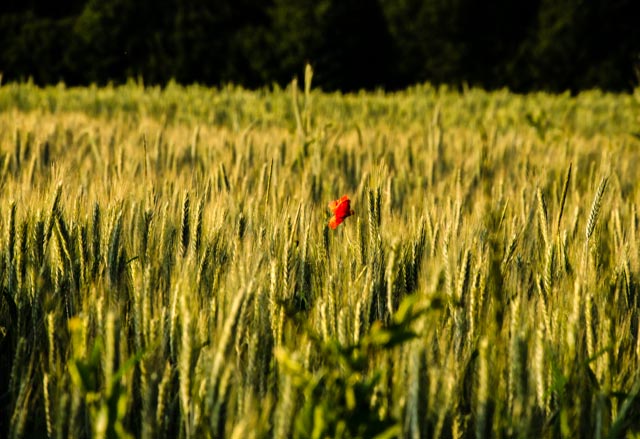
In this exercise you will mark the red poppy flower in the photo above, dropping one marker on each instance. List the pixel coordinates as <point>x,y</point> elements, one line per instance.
<point>340,209</point>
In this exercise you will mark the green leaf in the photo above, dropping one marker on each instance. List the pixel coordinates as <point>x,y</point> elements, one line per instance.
<point>390,338</point>
<point>86,375</point>
<point>319,426</point>
<point>404,314</point>
<point>391,432</point>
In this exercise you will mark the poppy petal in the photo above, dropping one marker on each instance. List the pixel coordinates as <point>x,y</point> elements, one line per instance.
<point>334,222</point>
<point>336,204</point>
<point>344,209</point>
<point>340,209</point>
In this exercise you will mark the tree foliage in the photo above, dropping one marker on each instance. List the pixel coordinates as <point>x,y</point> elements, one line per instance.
<point>353,44</point>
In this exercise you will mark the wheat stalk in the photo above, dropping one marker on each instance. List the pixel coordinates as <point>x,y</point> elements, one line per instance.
<point>595,208</point>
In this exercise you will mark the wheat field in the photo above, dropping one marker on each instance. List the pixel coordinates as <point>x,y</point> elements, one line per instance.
<point>167,270</point>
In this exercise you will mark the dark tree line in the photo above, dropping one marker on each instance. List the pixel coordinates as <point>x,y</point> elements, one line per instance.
<point>525,45</point>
